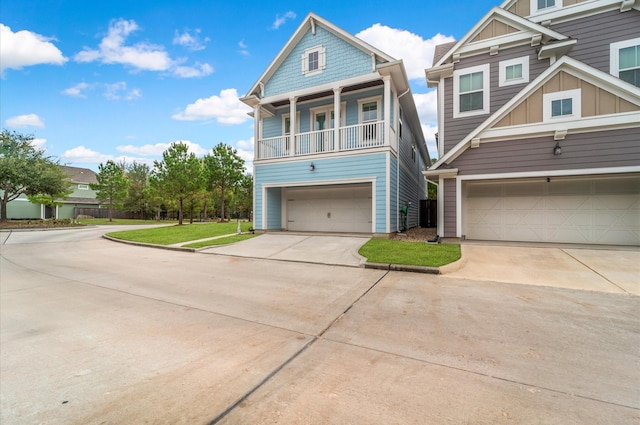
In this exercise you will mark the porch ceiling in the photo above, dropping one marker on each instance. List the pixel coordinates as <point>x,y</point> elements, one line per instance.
<point>329,93</point>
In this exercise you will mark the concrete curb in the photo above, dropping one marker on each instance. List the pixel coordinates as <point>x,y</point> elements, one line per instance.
<point>403,268</point>
<point>151,245</point>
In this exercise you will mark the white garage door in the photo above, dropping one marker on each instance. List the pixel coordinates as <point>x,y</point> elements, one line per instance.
<point>340,208</point>
<point>572,210</point>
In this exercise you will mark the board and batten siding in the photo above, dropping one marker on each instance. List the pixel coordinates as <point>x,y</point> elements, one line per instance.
<point>457,129</point>
<point>596,33</point>
<point>343,61</point>
<point>602,149</point>
<point>296,173</point>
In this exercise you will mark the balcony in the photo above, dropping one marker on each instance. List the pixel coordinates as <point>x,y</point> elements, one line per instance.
<point>353,137</point>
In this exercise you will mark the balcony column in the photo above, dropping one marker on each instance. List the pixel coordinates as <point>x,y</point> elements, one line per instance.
<point>387,109</point>
<point>292,125</point>
<point>256,132</point>
<point>337,119</point>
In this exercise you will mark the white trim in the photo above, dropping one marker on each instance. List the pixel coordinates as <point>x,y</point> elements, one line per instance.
<point>534,7</point>
<point>502,71</point>
<point>322,62</point>
<point>614,55</point>
<point>82,186</point>
<point>526,175</point>
<point>329,154</point>
<point>586,8</point>
<point>583,125</point>
<point>388,191</point>
<point>576,105</point>
<point>486,97</point>
<point>441,133</point>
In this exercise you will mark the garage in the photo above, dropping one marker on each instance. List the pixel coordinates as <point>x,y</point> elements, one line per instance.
<point>335,208</point>
<point>586,210</point>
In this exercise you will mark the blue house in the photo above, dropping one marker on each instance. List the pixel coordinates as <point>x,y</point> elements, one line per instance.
<point>338,143</point>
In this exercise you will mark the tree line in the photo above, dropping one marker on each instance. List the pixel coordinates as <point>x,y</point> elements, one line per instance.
<point>205,187</point>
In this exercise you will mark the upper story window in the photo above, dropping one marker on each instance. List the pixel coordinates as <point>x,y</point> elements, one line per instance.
<point>83,187</point>
<point>471,91</point>
<point>563,105</point>
<point>369,113</point>
<point>544,5</point>
<point>313,60</point>
<point>514,71</point>
<point>625,61</point>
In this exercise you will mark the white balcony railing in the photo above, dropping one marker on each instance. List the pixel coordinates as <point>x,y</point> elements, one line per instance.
<point>359,136</point>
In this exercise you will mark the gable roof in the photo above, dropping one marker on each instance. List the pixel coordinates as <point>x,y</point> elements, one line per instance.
<point>309,23</point>
<point>80,175</point>
<point>523,27</point>
<point>567,64</point>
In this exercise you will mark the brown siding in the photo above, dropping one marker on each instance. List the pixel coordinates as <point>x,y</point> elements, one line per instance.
<point>457,129</point>
<point>494,28</point>
<point>596,33</point>
<point>614,148</point>
<point>450,208</point>
<point>521,8</point>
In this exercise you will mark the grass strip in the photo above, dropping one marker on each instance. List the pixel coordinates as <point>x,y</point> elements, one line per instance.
<point>168,235</point>
<point>386,251</point>
<point>220,241</point>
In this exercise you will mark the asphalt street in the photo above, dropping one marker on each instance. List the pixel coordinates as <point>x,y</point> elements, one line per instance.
<point>98,332</point>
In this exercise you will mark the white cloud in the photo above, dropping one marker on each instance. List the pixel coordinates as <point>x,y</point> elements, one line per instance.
<point>158,148</point>
<point>28,120</point>
<point>141,56</point>
<point>80,154</point>
<point>415,52</point>
<point>427,106</point>
<point>38,143</point>
<point>77,91</point>
<point>429,132</point>
<point>244,49</point>
<point>280,20</point>
<point>117,91</point>
<point>192,42</point>
<point>225,109</point>
<point>245,151</point>
<point>25,48</point>
<point>199,70</point>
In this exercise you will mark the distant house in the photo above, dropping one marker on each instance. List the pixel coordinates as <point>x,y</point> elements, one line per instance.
<point>338,142</point>
<point>82,197</point>
<point>539,124</point>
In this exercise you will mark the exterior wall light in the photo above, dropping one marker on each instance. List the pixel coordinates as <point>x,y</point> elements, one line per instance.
<point>312,167</point>
<point>557,150</point>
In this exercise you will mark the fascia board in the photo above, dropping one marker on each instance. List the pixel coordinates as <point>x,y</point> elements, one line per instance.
<point>567,13</point>
<point>507,18</point>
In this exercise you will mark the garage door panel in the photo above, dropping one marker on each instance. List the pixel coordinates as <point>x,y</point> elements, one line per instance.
<point>330,208</point>
<point>586,210</point>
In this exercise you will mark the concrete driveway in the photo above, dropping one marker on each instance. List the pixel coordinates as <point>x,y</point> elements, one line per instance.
<point>605,269</point>
<point>318,249</point>
<point>96,332</point>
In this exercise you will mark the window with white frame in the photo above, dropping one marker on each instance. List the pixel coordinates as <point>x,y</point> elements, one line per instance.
<point>83,187</point>
<point>369,115</point>
<point>313,60</point>
<point>544,5</point>
<point>471,91</point>
<point>624,61</point>
<point>513,71</point>
<point>563,105</point>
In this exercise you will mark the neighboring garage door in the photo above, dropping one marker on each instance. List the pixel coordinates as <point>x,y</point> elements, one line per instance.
<point>339,208</point>
<point>573,210</point>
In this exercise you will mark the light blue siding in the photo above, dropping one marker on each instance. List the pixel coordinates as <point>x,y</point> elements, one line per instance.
<point>343,60</point>
<point>395,208</point>
<point>295,172</point>
<point>274,208</point>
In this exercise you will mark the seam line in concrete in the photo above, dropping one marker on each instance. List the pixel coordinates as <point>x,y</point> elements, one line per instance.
<point>596,272</point>
<point>512,381</point>
<point>295,355</point>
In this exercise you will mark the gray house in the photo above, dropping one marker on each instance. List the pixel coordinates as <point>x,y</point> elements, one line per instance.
<point>539,124</point>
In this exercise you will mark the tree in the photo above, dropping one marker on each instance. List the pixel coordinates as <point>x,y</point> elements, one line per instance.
<point>52,188</point>
<point>21,168</point>
<point>178,175</point>
<point>245,195</point>
<point>112,185</point>
<point>224,170</point>
<point>138,176</point>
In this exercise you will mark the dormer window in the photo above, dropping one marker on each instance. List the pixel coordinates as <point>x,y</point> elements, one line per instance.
<point>544,5</point>
<point>313,60</point>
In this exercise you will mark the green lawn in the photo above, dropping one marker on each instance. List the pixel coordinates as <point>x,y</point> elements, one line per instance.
<point>386,251</point>
<point>221,241</point>
<point>168,235</point>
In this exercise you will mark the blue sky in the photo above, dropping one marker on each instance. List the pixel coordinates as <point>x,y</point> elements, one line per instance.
<point>121,80</point>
